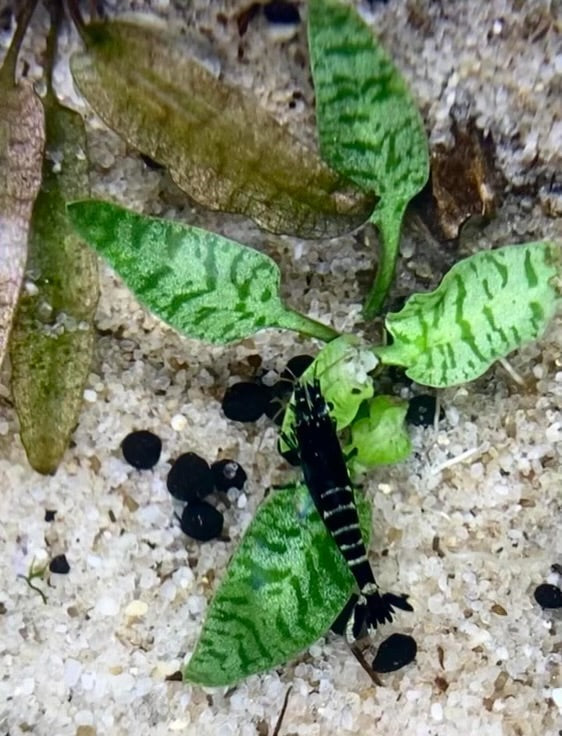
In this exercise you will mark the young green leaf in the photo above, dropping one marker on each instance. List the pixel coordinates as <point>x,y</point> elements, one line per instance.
<point>380,437</point>
<point>486,306</point>
<point>284,587</point>
<point>22,137</point>
<point>53,336</point>
<point>369,127</point>
<point>202,284</point>
<point>219,145</point>
<point>342,368</point>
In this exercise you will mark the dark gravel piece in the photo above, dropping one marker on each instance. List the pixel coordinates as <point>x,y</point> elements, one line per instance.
<point>548,596</point>
<point>395,652</point>
<point>190,478</point>
<point>201,521</point>
<point>228,474</point>
<point>296,367</point>
<point>281,11</point>
<point>59,564</point>
<point>421,410</point>
<point>142,449</point>
<point>245,401</point>
<point>50,514</point>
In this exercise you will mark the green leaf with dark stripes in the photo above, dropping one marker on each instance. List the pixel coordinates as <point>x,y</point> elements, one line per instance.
<point>380,437</point>
<point>342,367</point>
<point>284,587</point>
<point>369,127</point>
<point>53,335</point>
<point>202,284</point>
<point>486,306</point>
<point>220,146</point>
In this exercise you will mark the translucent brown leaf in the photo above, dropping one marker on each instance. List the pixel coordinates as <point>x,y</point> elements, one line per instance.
<point>52,338</point>
<point>21,147</point>
<point>220,146</point>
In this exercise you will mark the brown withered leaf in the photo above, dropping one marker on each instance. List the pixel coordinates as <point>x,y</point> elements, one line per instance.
<point>462,180</point>
<point>220,146</point>
<point>22,138</point>
<point>52,338</point>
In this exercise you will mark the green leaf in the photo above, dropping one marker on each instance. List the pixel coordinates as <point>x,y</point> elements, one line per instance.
<point>22,137</point>
<point>202,284</point>
<point>53,335</point>
<point>381,437</point>
<point>284,587</point>
<point>369,127</point>
<point>220,146</point>
<point>486,306</point>
<point>342,368</point>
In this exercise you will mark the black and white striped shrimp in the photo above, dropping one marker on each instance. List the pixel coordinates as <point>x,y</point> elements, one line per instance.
<point>327,479</point>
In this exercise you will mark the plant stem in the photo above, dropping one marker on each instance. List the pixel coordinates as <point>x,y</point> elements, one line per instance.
<point>388,219</point>
<point>55,12</point>
<point>290,319</point>
<point>358,654</point>
<point>282,714</point>
<point>76,16</point>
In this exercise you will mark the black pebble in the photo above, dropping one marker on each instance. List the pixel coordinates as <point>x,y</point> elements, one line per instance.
<point>281,11</point>
<point>201,521</point>
<point>421,410</point>
<point>190,478</point>
<point>49,515</point>
<point>395,652</point>
<point>296,367</point>
<point>548,596</point>
<point>245,401</point>
<point>228,474</point>
<point>142,449</point>
<point>59,564</point>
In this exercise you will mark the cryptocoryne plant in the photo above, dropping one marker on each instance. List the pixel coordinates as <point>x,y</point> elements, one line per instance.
<point>48,277</point>
<point>287,581</point>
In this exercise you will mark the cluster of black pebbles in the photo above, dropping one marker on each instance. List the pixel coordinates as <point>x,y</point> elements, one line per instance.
<point>247,401</point>
<point>190,480</point>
